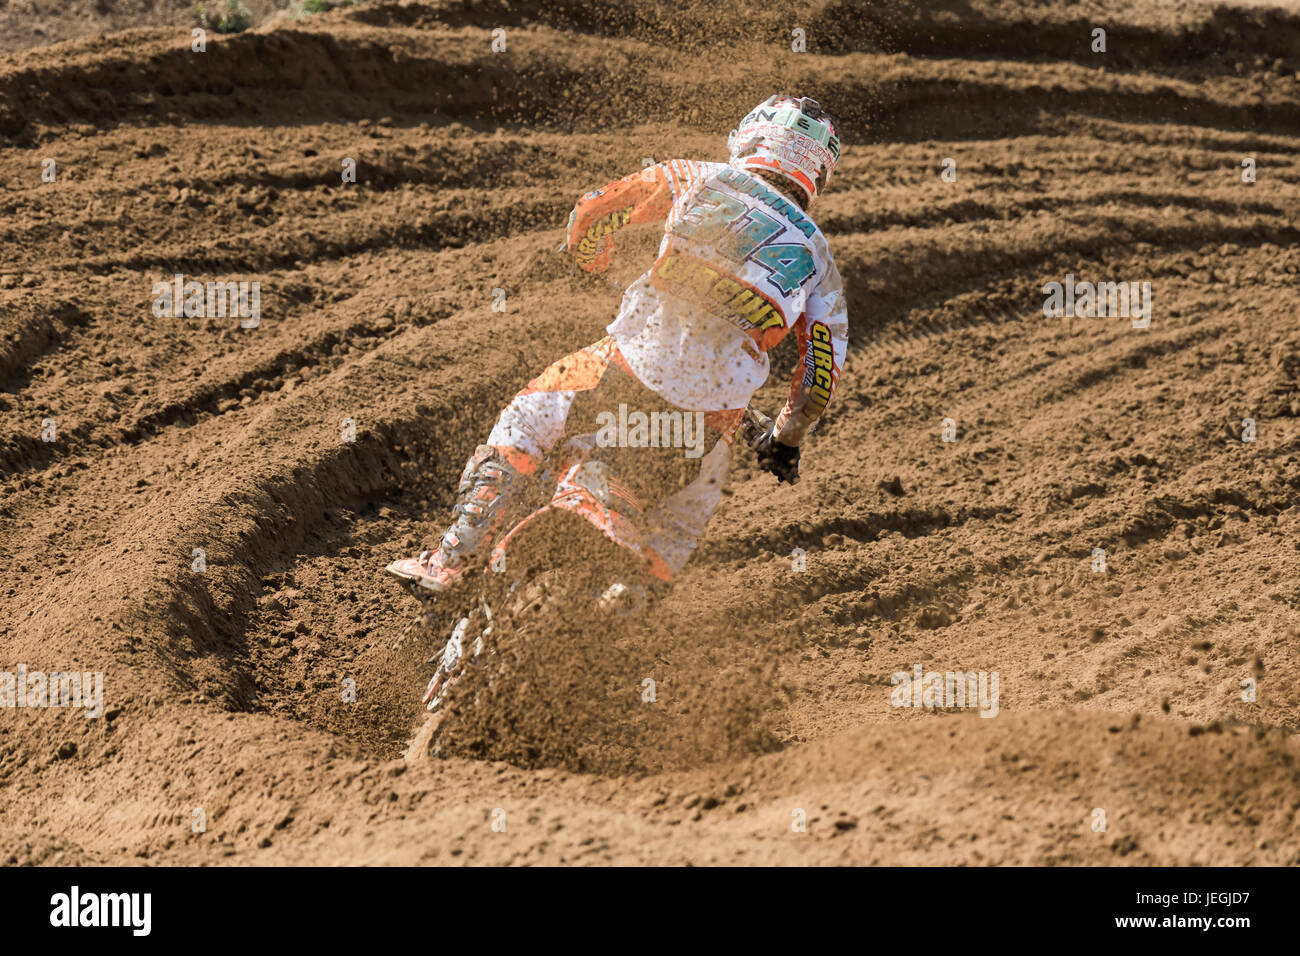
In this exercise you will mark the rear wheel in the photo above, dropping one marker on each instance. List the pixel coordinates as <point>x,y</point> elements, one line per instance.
<point>417,751</point>
<point>559,571</point>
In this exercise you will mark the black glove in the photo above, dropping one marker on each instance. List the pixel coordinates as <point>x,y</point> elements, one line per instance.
<point>777,457</point>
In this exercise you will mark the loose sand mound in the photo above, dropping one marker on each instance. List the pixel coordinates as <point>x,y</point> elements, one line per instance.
<point>1120,691</point>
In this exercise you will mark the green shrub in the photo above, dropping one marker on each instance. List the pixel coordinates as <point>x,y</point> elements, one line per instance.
<point>234,19</point>
<point>306,8</point>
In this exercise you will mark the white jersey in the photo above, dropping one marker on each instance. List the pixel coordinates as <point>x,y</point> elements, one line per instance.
<point>739,267</point>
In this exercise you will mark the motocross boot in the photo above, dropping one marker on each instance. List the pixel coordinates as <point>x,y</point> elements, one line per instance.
<point>489,492</point>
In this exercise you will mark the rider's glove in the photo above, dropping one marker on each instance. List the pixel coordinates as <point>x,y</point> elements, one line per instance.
<point>591,255</point>
<point>777,457</point>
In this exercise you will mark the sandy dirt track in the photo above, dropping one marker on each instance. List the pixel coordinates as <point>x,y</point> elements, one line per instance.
<point>1120,691</point>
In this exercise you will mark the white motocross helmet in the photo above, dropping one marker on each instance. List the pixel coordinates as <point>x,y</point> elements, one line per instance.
<point>791,136</point>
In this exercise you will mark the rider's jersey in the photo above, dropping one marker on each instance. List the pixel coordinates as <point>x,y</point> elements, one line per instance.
<point>739,267</point>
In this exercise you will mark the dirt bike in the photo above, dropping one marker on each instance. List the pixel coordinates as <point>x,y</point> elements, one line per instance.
<point>580,554</point>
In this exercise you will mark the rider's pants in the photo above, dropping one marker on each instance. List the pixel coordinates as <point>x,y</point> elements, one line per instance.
<point>675,460</point>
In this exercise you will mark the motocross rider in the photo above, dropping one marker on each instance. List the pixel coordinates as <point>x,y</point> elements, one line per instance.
<point>740,265</point>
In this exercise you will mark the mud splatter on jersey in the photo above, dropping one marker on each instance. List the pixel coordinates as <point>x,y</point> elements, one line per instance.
<point>739,267</point>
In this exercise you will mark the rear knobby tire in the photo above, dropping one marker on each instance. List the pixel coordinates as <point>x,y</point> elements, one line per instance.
<point>417,751</point>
